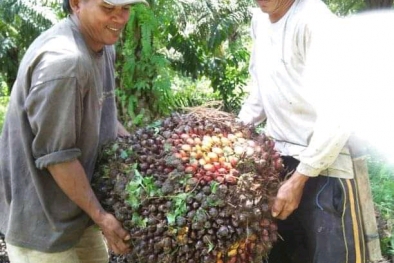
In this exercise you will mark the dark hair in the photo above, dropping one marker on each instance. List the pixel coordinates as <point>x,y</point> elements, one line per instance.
<point>66,7</point>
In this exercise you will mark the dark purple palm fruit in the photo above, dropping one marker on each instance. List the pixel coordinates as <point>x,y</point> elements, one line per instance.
<point>192,187</point>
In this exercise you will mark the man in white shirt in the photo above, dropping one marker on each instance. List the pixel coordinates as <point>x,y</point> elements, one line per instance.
<point>318,203</point>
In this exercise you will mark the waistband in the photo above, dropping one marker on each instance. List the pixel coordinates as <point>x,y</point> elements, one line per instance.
<point>341,168</point>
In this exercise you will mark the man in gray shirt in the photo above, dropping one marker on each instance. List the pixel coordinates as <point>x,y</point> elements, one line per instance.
<point>62,109</point>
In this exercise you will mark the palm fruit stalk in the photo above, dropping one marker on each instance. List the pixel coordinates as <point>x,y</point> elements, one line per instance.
<point>194,187</point>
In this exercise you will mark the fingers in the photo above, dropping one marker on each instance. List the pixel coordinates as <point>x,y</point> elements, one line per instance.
<point>285,213</point>
<point>121,246</point>
<point>277,207</point>
<point>117,237</point>
<point>289,196</point>
<point>281,209</point>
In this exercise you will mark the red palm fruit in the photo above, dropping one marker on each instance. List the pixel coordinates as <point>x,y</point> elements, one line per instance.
<point>233,160</point>
<point>230,179</point>
<point>219,179</point>
<point>209,167</point>
<point>186,147</point>
<point>190,170</point>
<point>217,150</point>
<point>197,141</point>
<point>217,165</point>
<point>190,141</point>
<point>213,156</point>
<point>222,170</point>
<point>184,136</point>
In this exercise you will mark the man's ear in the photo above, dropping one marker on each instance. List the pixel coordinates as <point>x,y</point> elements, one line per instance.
<point>75,5</point>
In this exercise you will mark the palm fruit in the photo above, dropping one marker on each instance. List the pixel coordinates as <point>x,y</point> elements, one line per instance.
<point>3,252</point>
<point>193,187</point>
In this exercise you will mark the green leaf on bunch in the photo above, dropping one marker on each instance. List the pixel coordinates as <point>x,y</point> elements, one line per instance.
<point>139,221</point>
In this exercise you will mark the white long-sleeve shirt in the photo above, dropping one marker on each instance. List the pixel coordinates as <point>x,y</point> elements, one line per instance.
<point>277,65</point>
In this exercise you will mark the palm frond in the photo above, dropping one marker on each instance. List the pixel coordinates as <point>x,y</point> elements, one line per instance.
<point>21,21</point>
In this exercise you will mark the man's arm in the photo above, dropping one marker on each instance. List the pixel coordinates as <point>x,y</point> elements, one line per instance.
<point>252,110</point>
<point>71,178</point>
<point>331,131</point>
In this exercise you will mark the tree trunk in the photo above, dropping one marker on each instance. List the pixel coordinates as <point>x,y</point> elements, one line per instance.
<point>378,4</point>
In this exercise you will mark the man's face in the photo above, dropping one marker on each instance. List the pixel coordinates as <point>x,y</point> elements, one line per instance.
<point>100,23</point>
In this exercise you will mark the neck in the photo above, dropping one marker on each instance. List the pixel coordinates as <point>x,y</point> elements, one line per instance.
<point>89,42</point>
<point>281,11</point>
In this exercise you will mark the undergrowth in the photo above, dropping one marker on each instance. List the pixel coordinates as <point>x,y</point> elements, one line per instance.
<point>382,184</point>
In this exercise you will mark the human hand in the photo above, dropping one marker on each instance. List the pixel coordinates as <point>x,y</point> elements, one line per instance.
<point>117,237</point>
<point>289,196</point>
<point>122,132</point>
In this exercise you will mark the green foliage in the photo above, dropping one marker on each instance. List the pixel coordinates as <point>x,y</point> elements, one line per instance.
<point>21,21</point>
<point>382,183</point>
<point>207,39</point>
<point>145,87</point>
<point>179,207</point>
<point>229,75</point>
<point>191,93</point>
<point>347,7</point>
<point>140,188</point>
<point>343,8</point>
<point>139,220</point>
<point>3,101</point>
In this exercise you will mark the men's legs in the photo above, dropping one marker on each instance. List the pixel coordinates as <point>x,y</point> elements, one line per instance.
<point>332,221</point>
<point>291,246</point>
<point>24,255</point>
<point>90,249</point>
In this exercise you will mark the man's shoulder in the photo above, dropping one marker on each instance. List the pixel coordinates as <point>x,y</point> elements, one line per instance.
<point>260,21</point>
<point>313,16</point>
<point>313,10</point>
<point>61,40</point>
<point>259,16</point>
<point>56,54</point>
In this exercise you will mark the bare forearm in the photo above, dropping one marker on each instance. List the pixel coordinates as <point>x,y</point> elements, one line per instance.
<point>72,179</point>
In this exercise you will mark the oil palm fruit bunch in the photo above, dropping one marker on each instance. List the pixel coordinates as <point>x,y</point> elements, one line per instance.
<point>3,251</point>
<point>194,187</point>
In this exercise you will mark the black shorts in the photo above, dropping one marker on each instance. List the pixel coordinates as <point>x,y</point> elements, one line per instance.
<point>325,228</point>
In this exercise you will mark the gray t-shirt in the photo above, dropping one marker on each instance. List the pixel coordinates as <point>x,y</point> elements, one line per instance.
<point>62,107</point>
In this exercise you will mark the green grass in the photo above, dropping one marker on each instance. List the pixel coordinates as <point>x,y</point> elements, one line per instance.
<point>382,184</point>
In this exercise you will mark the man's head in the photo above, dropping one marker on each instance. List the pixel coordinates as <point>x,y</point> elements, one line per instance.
<point>67,8</point>
<point>100,21</point>
<point>276,9</point>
